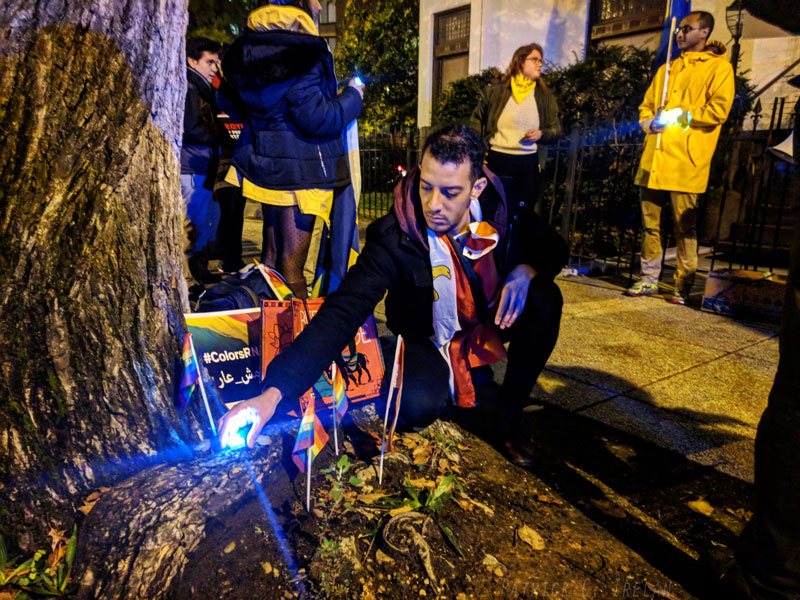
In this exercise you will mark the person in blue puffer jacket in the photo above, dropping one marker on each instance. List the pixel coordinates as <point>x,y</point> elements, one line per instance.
<point>290,155</point>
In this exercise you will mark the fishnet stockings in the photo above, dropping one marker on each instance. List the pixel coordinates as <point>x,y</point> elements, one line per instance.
<point>286,236</point>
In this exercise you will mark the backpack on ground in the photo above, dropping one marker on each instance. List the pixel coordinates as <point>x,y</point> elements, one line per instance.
<point>245,289</point>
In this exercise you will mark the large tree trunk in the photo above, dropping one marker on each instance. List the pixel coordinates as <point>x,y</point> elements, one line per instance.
<point>91,286</point>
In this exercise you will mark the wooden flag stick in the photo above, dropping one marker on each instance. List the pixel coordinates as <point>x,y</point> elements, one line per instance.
<point>202,387</point>
<point>666,76</point>
<point>308,480</point>
<point>392,383</point>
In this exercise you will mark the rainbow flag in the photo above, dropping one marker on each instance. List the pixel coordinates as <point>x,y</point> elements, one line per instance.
<point>190,373</point>
<point>339,393</point>
<point>310,435</point>
<point>278,284</point>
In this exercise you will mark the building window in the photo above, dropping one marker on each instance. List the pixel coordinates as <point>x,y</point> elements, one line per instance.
<point>450,48</point>
<point>611,18</point>
<point>328,13</point>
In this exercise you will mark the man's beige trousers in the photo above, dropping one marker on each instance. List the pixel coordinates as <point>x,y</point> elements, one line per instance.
<point>684,214</point>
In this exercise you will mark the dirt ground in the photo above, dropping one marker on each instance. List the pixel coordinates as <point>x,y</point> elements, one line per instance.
<point>453,518</point>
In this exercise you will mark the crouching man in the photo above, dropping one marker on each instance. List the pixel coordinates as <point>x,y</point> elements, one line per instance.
<point>461,282</point>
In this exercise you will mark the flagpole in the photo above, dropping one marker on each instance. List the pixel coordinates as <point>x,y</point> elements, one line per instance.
<point>388,404</point>
<point>663,104</point>
<point>308,479</point>
<point>202,387</point>
<point>333,408</point>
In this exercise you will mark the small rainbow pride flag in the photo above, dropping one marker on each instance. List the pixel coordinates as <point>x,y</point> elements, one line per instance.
<point>311,436</point>
<point>339,393</point>
<point>190,374</point>
<point>278,284</point>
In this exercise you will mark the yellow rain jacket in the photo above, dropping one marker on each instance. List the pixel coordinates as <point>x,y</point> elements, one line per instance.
<point>701,85</point>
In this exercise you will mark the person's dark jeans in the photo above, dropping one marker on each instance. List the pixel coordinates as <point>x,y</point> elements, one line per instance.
<point>523,169</point>
<point>229,232</point>
<point>532,338</point>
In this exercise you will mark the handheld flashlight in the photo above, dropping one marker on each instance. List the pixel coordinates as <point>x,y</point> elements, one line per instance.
<point>357,80</point>
<point>238,428</point>
<point>668,117</point>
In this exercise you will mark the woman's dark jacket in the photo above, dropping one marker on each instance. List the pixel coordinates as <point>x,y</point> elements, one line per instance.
<point>293,118</point>
<point>199,146</point>
<point>493,100</point>
<point>394,261</point>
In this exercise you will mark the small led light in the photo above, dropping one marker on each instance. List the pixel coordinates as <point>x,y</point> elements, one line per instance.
<point>668,117</point>
<point>242,421</point>
<point>357,80</point>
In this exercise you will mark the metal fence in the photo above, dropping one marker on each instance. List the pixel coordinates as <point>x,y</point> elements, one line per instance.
<point>385,156</point>
<point>745,219</point>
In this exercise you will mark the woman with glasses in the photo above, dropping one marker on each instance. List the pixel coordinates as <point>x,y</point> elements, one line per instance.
<point>517,118</point>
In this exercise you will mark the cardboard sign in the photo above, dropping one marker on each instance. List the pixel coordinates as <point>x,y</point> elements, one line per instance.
<point>745,294</point>
<point>227,344</point>
<point>361,361</point>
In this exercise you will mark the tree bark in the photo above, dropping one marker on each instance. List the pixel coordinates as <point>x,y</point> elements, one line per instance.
<point>137,540</point>
<point>91,286</point>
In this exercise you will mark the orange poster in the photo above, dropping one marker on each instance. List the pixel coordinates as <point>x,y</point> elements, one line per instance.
<point>361,360</point>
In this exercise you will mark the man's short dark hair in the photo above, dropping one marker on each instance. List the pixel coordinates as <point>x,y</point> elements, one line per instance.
<point>457,143</point>
<point>706,19</point>
<point>197,45</point>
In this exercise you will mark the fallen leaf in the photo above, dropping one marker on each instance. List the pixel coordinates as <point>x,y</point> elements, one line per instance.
<point>701,506</point>
<point>610,508</point>
<point>370,498</point>
<point>463,447</point>
<point>498,572</point>
<point>401,509</point>
<point>490,561</point>
<point>422,482</point>
<point>318,513</point>
<point>444,464</point>
<point>531,537</point>
<point>87,507</point>
<point>382,557</point>
<point>548,499</point>
<point>624,569</point>
<point>229,548</point>
<point>93,497</point>
<point>421,454</point>
<point>464,504</point>
<point>267,567</point>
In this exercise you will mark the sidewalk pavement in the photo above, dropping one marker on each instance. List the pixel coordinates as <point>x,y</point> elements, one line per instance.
<point>689,381</point>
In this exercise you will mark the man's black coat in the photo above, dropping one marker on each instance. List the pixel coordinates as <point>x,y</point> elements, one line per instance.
<point>395,260</point>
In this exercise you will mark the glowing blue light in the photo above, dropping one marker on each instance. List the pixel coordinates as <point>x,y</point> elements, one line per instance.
<point>238,427</point>
<point>357,80</point>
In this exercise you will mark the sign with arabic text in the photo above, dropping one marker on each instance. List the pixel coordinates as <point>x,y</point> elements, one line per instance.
<point>227,344</point>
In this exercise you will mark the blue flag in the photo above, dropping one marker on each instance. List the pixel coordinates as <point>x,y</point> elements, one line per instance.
<point>677,9</point>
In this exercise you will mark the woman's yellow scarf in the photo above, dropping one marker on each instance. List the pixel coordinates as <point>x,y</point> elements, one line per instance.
<point>521,87</point>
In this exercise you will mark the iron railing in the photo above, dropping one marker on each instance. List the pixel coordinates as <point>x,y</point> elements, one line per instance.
<point>385,156</point>
<point>744,219</point>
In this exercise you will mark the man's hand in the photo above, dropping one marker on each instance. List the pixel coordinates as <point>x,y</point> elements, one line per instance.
<point>357,86</point>
<point>514,295</point>
<point>263,407</point>
<point>533,135</point>
<point>655,127</point>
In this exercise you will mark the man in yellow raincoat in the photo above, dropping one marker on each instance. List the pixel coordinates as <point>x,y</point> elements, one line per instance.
<point>681,138</point>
